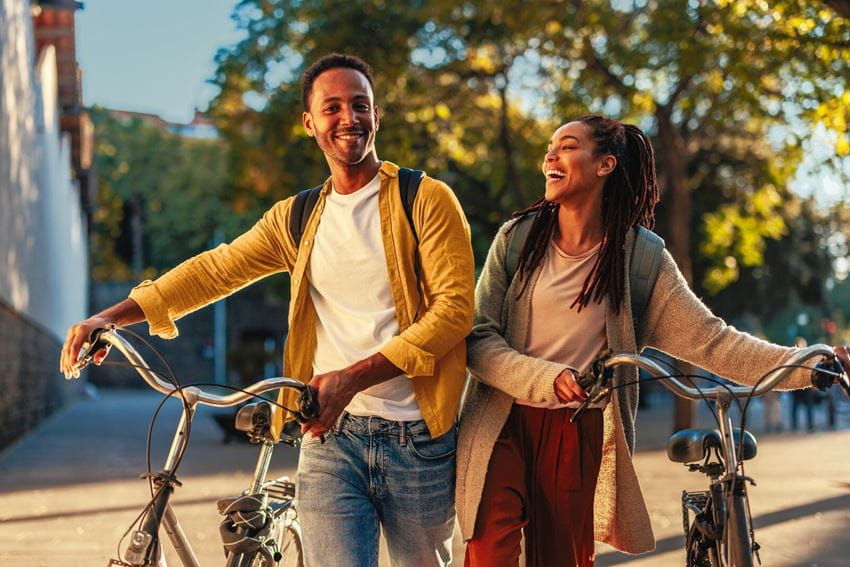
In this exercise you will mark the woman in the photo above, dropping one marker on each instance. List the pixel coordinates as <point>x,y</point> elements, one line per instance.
<point>521,464</point>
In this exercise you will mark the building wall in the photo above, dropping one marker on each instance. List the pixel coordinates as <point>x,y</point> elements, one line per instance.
<point>43,243</point>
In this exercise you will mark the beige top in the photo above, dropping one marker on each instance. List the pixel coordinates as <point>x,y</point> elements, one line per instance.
<point>556,331</point>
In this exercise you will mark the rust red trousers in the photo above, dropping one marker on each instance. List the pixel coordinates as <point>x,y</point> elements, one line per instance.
<point>540,481</point>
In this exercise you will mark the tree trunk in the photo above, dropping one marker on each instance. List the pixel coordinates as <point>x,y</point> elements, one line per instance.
<point>512,182</point>
<point>674,162</point>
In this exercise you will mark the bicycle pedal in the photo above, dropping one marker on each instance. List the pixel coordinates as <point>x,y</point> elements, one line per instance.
<point>117,563</point>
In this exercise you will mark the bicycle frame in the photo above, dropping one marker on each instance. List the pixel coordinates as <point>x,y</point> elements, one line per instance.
<point>164,481</point>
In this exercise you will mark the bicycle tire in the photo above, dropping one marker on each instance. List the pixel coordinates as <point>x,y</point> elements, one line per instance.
<point>739,547</point>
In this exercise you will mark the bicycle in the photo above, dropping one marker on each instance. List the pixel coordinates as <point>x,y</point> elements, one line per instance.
<point>717,522</point>
<point>260,526</point>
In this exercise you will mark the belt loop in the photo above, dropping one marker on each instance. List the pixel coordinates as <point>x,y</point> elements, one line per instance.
<point>402,433</point>
<point>337,428</point>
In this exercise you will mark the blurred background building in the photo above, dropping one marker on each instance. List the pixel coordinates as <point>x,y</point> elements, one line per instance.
<point>45,180</point>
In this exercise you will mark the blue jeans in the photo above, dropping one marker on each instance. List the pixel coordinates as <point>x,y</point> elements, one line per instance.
<point>371,472</point>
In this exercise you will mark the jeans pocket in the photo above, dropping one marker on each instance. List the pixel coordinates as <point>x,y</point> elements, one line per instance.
<point>428,448</point>
<point>308,440</point>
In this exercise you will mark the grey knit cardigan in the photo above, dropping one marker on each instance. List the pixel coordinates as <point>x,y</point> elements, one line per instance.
<point>675,322</point>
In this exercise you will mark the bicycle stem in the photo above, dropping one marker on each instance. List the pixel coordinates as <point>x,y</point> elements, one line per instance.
<point>724,422</point>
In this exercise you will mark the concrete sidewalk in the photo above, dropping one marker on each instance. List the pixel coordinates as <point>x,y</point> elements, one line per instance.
<point>69,490</point>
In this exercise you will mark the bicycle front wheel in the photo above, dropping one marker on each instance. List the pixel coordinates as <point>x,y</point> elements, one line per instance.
<point>739,546</point>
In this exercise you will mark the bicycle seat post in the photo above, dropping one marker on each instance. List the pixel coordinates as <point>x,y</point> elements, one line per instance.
<point>262,467</point>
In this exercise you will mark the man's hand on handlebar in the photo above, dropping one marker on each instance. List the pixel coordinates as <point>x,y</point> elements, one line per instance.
<point>122,314</point>
<point>77,343</point>
<point>335,390</point>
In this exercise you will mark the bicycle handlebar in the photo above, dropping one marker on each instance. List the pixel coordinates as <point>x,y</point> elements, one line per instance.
<point>110,336</point>
<point>773,379</point>
<point>596,380</point>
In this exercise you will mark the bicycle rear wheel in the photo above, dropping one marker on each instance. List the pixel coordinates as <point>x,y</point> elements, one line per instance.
<point>738,544</point>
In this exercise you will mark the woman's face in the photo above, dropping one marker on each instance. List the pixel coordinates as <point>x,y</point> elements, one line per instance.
<point>571,166</point>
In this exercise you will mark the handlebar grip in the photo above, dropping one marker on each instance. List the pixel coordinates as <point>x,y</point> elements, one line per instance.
<point>827,373</point>
<point>308,405</point>
<point>585,382</point>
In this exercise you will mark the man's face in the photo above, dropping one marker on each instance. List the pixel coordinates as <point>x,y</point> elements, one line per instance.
<point>342,117</point>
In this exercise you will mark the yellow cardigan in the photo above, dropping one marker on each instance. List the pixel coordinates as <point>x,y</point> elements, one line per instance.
<point>430,350</point>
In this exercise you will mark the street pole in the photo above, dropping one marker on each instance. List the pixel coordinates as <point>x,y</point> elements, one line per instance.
<point>219,330</point>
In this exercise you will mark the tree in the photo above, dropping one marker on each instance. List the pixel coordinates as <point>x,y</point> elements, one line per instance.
<point>471,91</point>
<point>160,197</point>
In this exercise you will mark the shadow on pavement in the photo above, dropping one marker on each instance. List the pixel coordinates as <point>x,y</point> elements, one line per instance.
<point>677,542</point>
<point>99,510</point>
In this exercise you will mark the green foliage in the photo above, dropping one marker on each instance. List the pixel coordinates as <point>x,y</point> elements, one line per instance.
<point>173,186</point>
<point>471,91</point>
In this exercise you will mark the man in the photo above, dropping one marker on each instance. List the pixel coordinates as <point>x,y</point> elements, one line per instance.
<point>377,326</point>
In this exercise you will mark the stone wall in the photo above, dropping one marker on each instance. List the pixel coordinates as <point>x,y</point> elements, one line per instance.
<point>30,382</point>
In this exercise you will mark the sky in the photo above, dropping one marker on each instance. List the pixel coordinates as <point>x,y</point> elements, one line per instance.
<point>152,55</point>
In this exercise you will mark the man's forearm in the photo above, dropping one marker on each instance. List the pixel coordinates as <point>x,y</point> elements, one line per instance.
<point>370,371</point>
<point>335,389</point>
<point>123,314</point>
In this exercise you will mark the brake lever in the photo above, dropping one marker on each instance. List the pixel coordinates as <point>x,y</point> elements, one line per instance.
<point>592,398</point>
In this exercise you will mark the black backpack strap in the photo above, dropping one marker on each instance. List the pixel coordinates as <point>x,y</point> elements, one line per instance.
<point>408,186</point>
<point>516,241</point>
<point>643,270</point>
<point>302,208</point>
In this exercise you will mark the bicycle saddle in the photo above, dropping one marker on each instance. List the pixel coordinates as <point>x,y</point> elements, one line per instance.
<point>693,445</point>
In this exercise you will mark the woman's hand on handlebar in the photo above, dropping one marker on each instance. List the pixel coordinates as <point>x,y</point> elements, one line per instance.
<point>842,353</point>
<point>77,341</point>
<point>567,388</point>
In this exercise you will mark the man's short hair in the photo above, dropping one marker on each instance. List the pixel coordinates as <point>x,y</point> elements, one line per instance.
<point>332,61</point>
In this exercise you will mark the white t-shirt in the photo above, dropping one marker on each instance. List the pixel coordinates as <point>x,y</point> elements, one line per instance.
<point>350,289</point>
<point>557,332</point>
